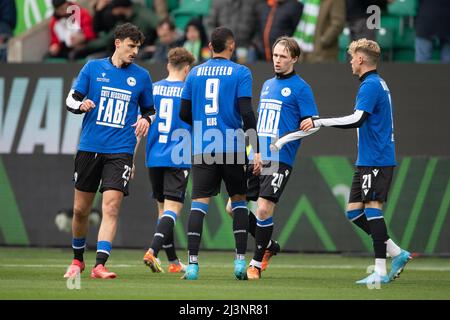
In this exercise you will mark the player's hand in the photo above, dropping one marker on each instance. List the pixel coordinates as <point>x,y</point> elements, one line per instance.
<point>273,147</point>
<point>133,170</point>
<point>87,105</point>
<point>142,126</point>
<point>307,124</point>
<point>257,164</point>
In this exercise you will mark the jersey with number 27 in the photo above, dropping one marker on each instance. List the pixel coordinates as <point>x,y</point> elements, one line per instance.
<point>117,94</point>
<point>213,89</point>
<point>168,136</point>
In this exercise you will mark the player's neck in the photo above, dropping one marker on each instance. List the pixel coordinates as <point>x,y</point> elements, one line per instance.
<point>365,72</point>
<point>176,76</point>
<point>285,75</point>
<point>117,62</point>
<point>222,55</point>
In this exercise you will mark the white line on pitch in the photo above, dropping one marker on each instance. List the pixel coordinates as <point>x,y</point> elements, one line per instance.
<point>210,265</point>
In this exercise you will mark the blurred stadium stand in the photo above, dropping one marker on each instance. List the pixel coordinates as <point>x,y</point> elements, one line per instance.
<point>396,35</point>
<point>31,45</point>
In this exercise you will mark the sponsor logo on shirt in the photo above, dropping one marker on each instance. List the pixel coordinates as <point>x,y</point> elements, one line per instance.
<point>102,78</point>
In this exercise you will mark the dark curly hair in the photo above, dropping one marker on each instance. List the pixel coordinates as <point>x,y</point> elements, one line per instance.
<point>128,30</point>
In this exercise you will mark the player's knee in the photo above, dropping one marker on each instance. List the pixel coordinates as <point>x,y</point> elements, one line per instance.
<point>263,213</point>
<point>80,211</point>
<point>229,211</point>
<point>111,209</point>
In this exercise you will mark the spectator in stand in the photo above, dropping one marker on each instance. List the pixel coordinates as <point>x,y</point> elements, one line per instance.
<point>318,31</point>
<point>240,16</point>
<point>104,21</point>
<point>433,23</point>
<point>7,25</point>
<point>124,11</point>
<point>161,9</point>
<point>196,41</point>
<point>276,18</point>
<point>168,38</point>
<point>67,32</point>
<point>357,17</point>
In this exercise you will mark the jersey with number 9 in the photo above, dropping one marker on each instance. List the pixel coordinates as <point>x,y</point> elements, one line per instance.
<point>168,141</point>
<point>214,88</point>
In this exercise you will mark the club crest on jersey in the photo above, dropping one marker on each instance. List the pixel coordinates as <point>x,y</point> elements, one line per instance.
<point>131,81</point>
<point>286,92</point>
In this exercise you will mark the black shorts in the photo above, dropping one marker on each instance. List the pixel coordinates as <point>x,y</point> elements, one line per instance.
<point>207,178</point>
<point>112,169</point>
<point>270,183</point>
<point>168,183</point>
<point>371,184</point>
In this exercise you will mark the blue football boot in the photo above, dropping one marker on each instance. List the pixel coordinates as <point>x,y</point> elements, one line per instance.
<point>191,272</point>
<point>240,269</point>
<point>398,264</point>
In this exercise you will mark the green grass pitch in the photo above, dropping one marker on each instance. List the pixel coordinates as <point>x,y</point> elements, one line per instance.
<point>34,273</point>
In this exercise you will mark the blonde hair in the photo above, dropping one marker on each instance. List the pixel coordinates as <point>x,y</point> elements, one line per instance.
<point>179,57</point>
<point>369,47</point>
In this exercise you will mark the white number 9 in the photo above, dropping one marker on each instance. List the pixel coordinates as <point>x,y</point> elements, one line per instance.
<point>212,93</point>
<point>165,113</point>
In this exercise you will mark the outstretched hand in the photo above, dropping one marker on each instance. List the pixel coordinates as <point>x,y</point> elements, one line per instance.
<point>307,124</point>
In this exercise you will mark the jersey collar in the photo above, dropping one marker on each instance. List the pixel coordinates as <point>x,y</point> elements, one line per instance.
<point>368,73</point>
<point>125,65</point>
<point>285,76</point>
